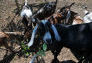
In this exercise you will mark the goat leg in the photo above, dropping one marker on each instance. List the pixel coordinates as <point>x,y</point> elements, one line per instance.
<point>56,48</point>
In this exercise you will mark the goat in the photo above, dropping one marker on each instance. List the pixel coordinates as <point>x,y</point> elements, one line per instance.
<point>66,12</point>
<point>70,17</point>
<point>47,10</point>
<point>26,14</point>
<point>87,18</point>
<point>66,16</point>
<point>75,37</point>
<point>60,17</point>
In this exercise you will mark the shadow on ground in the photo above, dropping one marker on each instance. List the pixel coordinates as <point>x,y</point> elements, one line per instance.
<point>65,61</point>
<point>8,58</point>
<point>68,61</point>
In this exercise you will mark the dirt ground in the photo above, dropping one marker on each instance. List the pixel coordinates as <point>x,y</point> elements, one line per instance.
<point>9,22</point>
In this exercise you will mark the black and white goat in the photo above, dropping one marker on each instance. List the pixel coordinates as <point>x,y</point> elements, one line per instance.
<point>47,10</point>
<point>88,16</point>
<point>26,14</point>
<point>78,38</point>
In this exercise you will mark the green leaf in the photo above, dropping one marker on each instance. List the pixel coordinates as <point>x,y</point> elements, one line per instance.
<point>41,53</point>
<point>44,46</point>
<point>27,54</point>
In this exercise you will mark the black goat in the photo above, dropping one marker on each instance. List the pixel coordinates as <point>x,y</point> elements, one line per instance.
<point>47,10</point>
<point>76,37</point>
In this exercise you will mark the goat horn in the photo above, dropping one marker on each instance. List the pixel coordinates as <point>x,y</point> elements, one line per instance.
<point>72,4</point>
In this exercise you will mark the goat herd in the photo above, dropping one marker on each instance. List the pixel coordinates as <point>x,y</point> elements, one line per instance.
<point>63,28</point>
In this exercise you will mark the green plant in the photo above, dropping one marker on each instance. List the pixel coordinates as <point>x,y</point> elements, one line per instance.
<point>24,49</point>
<point>41,51</point>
